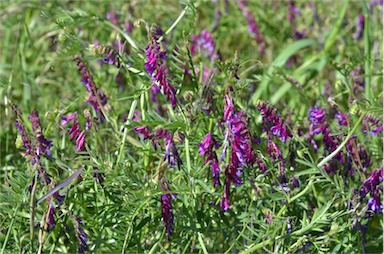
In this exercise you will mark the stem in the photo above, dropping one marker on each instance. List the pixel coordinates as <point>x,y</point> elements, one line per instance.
<point>334,153</point>
<point>32,208</point>
<point>130,115</point>
<point>187,154</point>
<point>10,229</point>
<point>367,52</point>
<point>124,34</point>
<point>258,246</point>
<point>176,22</point>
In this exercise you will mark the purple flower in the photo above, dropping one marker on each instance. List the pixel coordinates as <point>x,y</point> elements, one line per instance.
<point>66,120</point>
<point>372,182</point>
<point>360,27</point>
<point>241,152</point>
<point>273,124</point>
<point>75,131</point>
<point>374,203</point>
<point>203,44</point>
<point>341,119</point>
<point>143,130</point>
<point>372,124</point>
<point>166,209</point>
<point>96,98</point>
<point>206,148</point>
<point>275,154</point>
<point>261,165</point>
<point>50,216</point>
<point>81,235</point>
<point>253,28</point>
<point>24,137</point>
<point>163,83</point>
<point>157,69</point>
<point>113,18</point>
<point>373,185</point>
<point>295,182</point>
<point>43,144</point>
<point>317,116</point>
<point>292,11</point>
<point>154,56</point>
<point>224,204</point>
<point>171,153</point>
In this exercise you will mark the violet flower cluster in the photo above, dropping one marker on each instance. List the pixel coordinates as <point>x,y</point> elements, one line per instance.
<point>360,27</point>
<point>372,125</point>
<point>206,149</point>
<point>81,235</point>
<point>156,67</point>
<point>79,134</point>
<point>203,43</point>
<point>75,131</point>
<point>166,208</point>
<point>272,122</point>
<point>171,154</point>
<point>275,154</point>
<point>241,152</point>
<point>96,98</point>
<point>253,27</point>
<point>373,186</point>
<point>38,147</point>
<point>319,125</point>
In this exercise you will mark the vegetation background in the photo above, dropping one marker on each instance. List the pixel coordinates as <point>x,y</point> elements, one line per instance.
<point>308,60</point>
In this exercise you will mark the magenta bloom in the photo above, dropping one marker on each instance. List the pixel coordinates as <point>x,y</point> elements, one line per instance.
<point>203,44</point>
<point>96,98</point>
<point>373,185</point>
<point>75,131</point>
<point>171,153</point>
<point>360,27</point>
<point>24,137</point>
<point>166,209</point>
<point>50,216</point>
<point>273,124</point>
<point>81,235</point>
<point>206,148</point>
<point>241,151</point>
<point>43,144</point>
<point>372,124</point>
<point>224,204</point>
<point>157,69</point>
<point>253,27</point>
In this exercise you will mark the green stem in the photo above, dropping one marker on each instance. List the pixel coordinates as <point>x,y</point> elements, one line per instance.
<point>10,229</point>
<point>258,246</point>
<point>334,153</point>
<point>124,34</point>
<point>187,154</point>
<point>130,115</point>
<point>32,208</point>
<point>176,22</point>
<point>367,52</point>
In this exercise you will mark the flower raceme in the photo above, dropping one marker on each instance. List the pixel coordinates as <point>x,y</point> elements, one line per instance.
<point>272,122</point>
<point>37,147</point>
<point>373,185</point>
<point>241,152</point>
<point>157,68</point>
<point>206,148</point>
<point>166,208</point>
<point>75,131</point>
<point>203,43</point>
<point>96,98</point>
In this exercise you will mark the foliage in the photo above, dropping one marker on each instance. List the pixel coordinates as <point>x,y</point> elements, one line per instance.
<point>201,126</point>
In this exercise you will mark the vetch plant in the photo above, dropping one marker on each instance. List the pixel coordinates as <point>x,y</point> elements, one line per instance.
<point>193,138</point>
